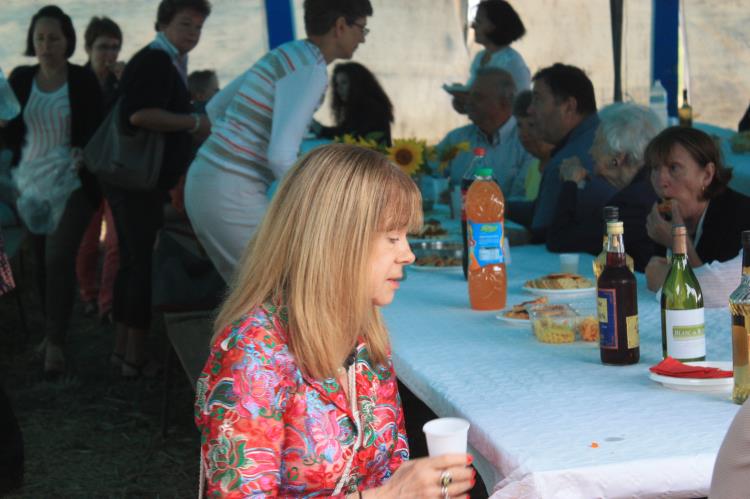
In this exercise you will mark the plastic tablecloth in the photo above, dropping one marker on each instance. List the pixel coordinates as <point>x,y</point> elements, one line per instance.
<point>550,421</point>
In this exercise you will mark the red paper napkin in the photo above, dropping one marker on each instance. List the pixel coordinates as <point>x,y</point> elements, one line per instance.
<point>676,369</point>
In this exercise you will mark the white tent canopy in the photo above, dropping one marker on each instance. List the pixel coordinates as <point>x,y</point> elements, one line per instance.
<point>416,46</point>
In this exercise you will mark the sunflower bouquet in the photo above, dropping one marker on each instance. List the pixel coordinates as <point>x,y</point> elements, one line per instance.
<point>412,155</point>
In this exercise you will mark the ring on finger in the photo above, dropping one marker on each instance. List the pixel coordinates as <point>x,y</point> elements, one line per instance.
<point>444,492</point>
<point>446,478</point>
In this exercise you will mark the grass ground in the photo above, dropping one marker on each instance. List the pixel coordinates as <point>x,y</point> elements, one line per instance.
<point>94,434</point>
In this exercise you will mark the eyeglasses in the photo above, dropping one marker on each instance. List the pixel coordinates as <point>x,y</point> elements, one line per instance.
<point>365,30</point>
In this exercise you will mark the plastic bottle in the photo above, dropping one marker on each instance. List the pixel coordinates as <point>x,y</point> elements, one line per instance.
<point>9,106</point>
<point>476,164</point>
<point>485,210</point>
<point>657,101</point>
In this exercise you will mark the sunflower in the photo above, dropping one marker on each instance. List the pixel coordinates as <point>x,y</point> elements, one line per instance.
<point>451,153</point>
<point>407,154</point>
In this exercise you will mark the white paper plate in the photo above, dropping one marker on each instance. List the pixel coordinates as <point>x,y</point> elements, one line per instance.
<point>513,321</point>
<point>560,292</point>
<point>698,384</point>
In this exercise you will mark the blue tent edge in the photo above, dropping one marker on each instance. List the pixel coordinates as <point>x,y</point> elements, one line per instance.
<point>664,48</point>
<point>280,21</point>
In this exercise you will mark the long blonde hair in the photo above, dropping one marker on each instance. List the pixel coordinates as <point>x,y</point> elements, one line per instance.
<point>311,254</point>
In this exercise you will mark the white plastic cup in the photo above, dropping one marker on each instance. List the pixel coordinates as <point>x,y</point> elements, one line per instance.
<point>569,263</point>
<point>446,436</point>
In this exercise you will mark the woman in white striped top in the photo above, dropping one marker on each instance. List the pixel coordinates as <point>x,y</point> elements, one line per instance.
<point>61,108</point>
<point>257,126</point>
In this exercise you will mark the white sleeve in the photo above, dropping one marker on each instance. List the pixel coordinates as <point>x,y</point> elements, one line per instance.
<point>297,97</point>
<point>718,280</point>
<point>217,106</point>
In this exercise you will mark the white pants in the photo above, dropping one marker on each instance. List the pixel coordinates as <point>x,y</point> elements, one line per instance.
<point>225,209</point>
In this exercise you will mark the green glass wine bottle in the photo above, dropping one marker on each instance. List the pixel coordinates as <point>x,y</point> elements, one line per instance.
<point>683,334</point>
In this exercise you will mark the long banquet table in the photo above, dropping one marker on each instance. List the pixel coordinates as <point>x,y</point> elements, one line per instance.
<point>550,421</point>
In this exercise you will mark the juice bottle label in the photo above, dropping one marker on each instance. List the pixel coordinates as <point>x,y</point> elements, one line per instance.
<point>686,337</point>
<point>485,244</point>
<point>606,309</point>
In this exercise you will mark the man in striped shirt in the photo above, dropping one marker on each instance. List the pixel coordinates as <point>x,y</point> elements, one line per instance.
<point>258,122</point>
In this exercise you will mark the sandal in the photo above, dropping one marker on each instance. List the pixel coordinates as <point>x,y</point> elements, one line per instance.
<point>148,369</point>
<point>116,359</point>
<point>54,362</point>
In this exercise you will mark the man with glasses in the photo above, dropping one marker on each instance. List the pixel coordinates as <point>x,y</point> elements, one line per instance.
<point>258,122</point>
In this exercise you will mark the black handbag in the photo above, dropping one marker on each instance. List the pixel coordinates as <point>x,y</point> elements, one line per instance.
<point>183,277</point>
<point>125,156</point>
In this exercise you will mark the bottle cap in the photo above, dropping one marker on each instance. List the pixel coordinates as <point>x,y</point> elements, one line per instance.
<point>479,151</point>
<point>484,172</point>
<point>680,230</point>
<point>614,228</point>
<point>611,213</point>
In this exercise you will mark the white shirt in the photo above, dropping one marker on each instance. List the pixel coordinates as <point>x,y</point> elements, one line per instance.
<point>509,60</point>
<point>258,121</point>
<point>47,120</point>
<point>504,153</point>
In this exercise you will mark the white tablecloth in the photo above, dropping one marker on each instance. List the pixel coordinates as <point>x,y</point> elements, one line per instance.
<point>535,409</point>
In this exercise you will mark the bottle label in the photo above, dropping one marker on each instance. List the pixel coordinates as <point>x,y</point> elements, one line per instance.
<point>485,244</point>
<point>606,309</point>
<point>634,336</point>
<point>686,337</point>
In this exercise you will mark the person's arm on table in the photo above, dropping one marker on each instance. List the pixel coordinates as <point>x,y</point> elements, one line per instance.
<point>297,97</point>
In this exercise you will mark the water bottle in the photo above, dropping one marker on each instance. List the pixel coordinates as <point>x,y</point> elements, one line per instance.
<point>657,101</point>
<point>9,106</point>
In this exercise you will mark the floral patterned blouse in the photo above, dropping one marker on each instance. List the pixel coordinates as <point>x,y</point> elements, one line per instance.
<point>267,430</point>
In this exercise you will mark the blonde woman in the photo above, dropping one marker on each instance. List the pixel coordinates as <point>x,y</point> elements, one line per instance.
<point>299,397</point>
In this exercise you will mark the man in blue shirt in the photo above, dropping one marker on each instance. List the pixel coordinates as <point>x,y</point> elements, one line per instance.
<point>563,108</point>
<point>493,127</point>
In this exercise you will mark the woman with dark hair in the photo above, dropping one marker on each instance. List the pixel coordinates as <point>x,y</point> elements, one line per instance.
<point>61,106</point>
<point>687,172</point>
<point>154,96</point>
<point>103,40</point>
<point>360,106</point>
<point>496,26</point>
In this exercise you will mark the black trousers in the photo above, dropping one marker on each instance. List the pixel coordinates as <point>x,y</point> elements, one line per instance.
<point>55,265</point>
<point>138,216</point>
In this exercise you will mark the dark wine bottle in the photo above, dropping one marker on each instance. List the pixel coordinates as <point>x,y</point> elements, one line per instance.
<point>617,304</point>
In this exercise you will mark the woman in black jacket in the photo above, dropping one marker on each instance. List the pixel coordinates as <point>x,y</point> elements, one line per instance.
<point>61,106</point>
<point>154,96</point>
<point>688,172</point>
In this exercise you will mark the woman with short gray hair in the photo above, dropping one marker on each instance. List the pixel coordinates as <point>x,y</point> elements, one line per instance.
<point>624,131</point>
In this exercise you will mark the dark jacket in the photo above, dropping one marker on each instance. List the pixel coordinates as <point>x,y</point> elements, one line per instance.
<point>150,80</point>
<point>728,214</point>
<point>574,232</point>
<point>86,113</point>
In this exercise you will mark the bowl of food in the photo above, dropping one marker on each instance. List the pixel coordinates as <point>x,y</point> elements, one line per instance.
<point>437,254</point>
<point>553,323</point>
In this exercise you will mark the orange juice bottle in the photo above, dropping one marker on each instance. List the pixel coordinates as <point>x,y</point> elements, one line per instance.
<point>485,210</point>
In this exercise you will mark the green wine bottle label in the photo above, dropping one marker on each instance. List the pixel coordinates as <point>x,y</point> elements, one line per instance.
<point>686,337</point>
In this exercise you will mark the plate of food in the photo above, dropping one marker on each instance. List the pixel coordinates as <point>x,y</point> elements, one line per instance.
<point>560,284</point>
<point>431,229</point>
<point>437,255</point>
<point>698,384</point>
<point>518,314</point>
<point>455,87</point>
